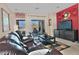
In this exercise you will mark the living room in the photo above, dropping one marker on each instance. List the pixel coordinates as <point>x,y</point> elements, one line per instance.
<point>58,22</point>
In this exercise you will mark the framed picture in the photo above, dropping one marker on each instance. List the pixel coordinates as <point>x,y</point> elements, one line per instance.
<point>5,21</point>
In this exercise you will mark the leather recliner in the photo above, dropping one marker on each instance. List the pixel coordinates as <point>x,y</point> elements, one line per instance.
<point>15,41</point>
<point>45,39</point>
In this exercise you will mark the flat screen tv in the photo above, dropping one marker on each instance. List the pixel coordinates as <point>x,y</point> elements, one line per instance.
<point>65,25</point>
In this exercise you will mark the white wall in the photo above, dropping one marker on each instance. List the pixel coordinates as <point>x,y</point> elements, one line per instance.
<point>53,23</point>
<point>11,17</point>
<point>28,17</point>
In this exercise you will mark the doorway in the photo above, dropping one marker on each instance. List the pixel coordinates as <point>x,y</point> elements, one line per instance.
<point>39,25</point>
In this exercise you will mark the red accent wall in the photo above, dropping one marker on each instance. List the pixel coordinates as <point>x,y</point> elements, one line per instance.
<point>73,10</point>
<point>78,21</point>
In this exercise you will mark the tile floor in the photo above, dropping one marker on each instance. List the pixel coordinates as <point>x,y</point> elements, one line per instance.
<point>73,50</point>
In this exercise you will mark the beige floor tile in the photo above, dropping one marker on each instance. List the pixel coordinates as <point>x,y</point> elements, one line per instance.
<point>73,50</point>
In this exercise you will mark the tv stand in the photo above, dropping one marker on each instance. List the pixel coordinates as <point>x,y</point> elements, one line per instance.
<point>71,35</point>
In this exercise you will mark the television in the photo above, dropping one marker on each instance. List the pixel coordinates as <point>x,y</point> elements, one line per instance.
<point>65,25</point>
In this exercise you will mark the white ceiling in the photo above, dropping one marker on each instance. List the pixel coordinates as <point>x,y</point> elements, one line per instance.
<point>38,8</point>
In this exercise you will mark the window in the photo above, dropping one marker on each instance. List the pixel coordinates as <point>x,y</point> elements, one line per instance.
<point>21,24</point>
<point>5,21</point>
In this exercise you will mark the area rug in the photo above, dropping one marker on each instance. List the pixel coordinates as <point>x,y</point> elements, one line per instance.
<point>59,46</point>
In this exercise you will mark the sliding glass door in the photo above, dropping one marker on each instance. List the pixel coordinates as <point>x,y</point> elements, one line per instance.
<point>39,25</point>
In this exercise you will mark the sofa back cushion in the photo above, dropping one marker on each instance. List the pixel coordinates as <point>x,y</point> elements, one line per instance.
<point>15,42</point>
